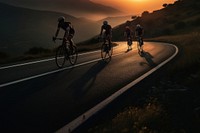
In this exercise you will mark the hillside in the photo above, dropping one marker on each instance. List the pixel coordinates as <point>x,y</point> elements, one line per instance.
<point>115,21</point>
<point>178,18</point>
<point>23,28</point>
<point>73,7</point>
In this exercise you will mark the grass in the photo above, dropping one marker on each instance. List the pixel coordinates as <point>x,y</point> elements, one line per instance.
<point>172,103</point>
<point>135,120</point>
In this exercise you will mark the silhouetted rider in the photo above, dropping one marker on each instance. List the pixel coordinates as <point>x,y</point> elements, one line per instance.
<point>128,34</point>
<point>139,32</point>
<point>67,27</point>
<point>107,35</point>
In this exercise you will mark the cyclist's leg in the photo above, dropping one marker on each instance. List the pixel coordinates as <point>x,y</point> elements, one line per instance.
<point>104,38</point>
<point>69,38</point>
<point>71,43</point>
<point>109,41</point>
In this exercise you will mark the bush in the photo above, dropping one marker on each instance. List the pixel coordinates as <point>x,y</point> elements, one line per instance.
<point>145,13</point>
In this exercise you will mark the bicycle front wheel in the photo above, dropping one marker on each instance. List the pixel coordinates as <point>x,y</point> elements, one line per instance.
<point>60,56</point>
<point>140,49</point>
<point>73,55</point>
<point>106,52</point>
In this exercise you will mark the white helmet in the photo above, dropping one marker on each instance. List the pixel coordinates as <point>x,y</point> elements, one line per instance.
<point>105,22</point>
<point>138,25</point>
<point>61,18</point>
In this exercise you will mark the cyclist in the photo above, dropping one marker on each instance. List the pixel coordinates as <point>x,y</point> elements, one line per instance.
<point>129,36</point>
<point>139,32</point>
<point>67,27</point>
<point>107,32</point>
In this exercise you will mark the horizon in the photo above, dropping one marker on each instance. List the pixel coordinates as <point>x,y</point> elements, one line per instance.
<point>127,8</point>
<point>134,7</point>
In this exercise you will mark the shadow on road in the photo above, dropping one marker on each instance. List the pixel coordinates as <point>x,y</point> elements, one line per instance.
<point>148,57</point>
<point>86,81</point>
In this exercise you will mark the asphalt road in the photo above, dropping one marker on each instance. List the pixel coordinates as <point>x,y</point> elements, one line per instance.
<point>39,97</point>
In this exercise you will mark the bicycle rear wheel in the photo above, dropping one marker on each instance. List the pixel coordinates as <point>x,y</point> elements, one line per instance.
<point>60,56</point>
<point>140,49</point>
<point>73,55</point>
<point>106,52</point>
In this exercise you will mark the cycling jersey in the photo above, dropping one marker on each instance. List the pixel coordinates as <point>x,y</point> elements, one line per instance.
<point>107,28</point>
<point>139,31</point>
<point>67,27</point>
<point>128,32</point>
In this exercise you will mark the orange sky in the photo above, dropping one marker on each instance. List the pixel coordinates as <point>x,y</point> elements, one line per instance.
<point>135,6</point>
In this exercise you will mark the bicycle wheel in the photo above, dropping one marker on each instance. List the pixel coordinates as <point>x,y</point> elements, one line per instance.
<point>106,52</point>
<point>140,49</point>
<point>73,54</point>
<point>60,56</point>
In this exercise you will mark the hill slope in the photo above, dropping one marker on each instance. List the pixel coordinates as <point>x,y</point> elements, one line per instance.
<point>73,7</point>
<point>23,28</point>
<point>178,18</point>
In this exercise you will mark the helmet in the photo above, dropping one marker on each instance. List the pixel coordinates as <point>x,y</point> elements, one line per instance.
<point>138,25</point>
<point>61,18</point>
<point>105,22</point>
<point>127,27</point>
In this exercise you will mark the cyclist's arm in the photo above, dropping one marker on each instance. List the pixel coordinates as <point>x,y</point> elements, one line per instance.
<point>101,30</point>
<point>125,35</point>
<point>136,35</point>
<point>57,31</point>
<point>111,33</point>
<point>142,32</point>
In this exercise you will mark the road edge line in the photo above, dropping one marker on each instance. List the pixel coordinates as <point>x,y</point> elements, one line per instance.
<point>85,116</point>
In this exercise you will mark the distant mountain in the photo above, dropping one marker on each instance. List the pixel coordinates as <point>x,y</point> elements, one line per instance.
<point>73,7</point>
<point>23,28</point>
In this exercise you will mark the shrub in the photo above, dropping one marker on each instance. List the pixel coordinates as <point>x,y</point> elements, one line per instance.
<point>145,13</point>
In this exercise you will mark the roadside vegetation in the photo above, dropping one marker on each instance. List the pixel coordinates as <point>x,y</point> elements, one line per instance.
<point>169,99</point>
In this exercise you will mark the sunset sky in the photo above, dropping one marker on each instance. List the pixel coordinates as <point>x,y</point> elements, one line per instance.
<point>134,6</point>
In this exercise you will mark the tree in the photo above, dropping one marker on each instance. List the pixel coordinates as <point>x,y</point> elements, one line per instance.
<point>133,17</point>
<point>145,13</point>
<point>165,5</point>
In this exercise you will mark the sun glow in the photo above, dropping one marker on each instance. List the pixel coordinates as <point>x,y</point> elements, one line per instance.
<point>135,6</point>
<point>138,0</point>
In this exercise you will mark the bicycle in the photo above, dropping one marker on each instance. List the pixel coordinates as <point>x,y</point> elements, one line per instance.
<point>140,45</point>
<point>129,43</point>
<point>106,50</point>
<point>65,52</point>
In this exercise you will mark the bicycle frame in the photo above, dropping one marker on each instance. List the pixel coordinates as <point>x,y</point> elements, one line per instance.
<point>63,53</point>
<point>140,45</point>
<point>106,50</point>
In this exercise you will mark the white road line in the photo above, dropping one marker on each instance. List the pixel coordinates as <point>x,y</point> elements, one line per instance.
<point>27,63</point>
<point>51,72</point>
<point>39,61</point>
<point>45,60</point>
<point>85,116</point>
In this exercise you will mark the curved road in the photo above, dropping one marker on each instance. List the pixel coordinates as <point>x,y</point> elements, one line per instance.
<point>38,97</point>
